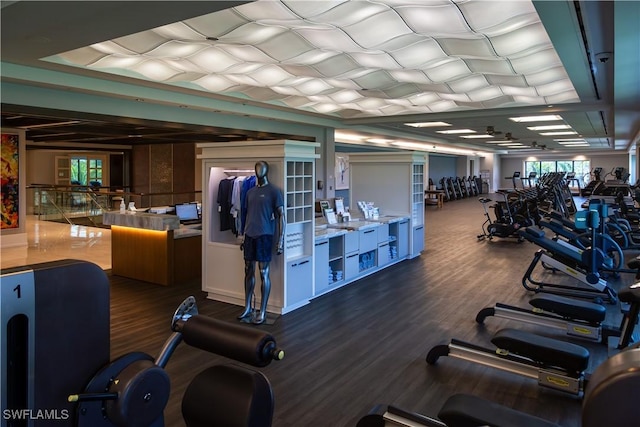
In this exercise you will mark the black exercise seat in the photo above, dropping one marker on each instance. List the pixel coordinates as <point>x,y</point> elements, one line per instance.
<point>546,351</point>
<point>538,237</point>
<point>464,410</point>
<point>630,294</point>
<point>570,307</point>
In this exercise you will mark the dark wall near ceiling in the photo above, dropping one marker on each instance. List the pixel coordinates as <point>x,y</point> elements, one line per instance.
<point>441,166</point>
<point>164,168</point>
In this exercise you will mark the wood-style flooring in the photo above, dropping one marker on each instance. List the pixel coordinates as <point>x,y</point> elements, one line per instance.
<point>366,343</point>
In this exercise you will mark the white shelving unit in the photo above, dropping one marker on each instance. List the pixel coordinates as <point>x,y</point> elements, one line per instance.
<point>292,170</point>
<point>395,183</point>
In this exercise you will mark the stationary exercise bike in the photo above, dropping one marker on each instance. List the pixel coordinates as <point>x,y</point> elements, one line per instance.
<point>133,390</point>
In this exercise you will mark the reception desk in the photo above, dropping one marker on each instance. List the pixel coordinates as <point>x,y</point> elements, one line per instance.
<point>154,248</point>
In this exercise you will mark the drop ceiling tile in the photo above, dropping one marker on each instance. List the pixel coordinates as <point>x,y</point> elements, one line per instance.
<point>376,80</point>
<point>513,80</point>
<point>142,42</point>
<point>448,70</point>
<point>285,46</point>
<point>519,41</point>
<point>178,31</point>
<point>245,53</point>
<point>270,75</point>
<point>438,20</point>
<point>112,48</point>
<point>155,70</point>
<point>546,76</point>
<point>252,33</point>
<point>215,83</point>
<point>537,62</point>
<point>410,76</point>
<point>378,29</point>
<point>468,83</point>
<point>115,61</point>
<point>375,60</point>
<point>484,16</point>
<point>349,12</point>
<point>489,66</point>
<point>401,90</point>
<point>312,9</point>
<point>467,47</point>
<point>217,24</point>
<point>563,97</point>
<point>553,88</point>
<point>419,53</point>
<point>175,48</point>
<point>336,66</point>
<point>83,56</point>
<point>213,59</point>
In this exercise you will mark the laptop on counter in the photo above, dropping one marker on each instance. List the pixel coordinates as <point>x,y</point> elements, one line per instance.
<point>188,213</point>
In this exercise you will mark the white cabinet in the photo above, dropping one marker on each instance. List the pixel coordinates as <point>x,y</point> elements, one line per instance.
<point>383,233</point>
<point>351,242</point>
<point>418,240</point>
<point>368,240</point>
<point>299,280</point>
<point>394,182</point>
<point>322,267</point>
<point>351,265</point>
<point>292,171</point>
<point>384,255</point>
<point>403,238</point>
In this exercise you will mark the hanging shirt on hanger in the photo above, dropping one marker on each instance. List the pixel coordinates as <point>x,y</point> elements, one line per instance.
<point>224,202</point>
<point>235,204</point>
<point>247,184</point>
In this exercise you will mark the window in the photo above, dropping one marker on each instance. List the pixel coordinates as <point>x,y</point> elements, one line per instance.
<point>78,171</point>
<point>85,171</point>
<point>580,167</point>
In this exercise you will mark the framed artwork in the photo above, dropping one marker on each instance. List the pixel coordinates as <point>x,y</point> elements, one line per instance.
<point>10,182</point>
<point>342,171</point>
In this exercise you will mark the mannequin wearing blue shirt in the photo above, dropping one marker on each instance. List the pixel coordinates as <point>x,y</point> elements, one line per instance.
<point>265,221</point>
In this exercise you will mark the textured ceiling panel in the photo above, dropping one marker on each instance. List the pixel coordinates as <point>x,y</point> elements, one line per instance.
<point>354,58</point>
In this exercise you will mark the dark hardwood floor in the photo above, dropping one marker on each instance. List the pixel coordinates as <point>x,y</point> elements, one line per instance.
<point>366,343</point>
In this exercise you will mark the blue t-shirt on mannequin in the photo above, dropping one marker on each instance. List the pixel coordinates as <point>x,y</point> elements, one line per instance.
<point>261,217</point>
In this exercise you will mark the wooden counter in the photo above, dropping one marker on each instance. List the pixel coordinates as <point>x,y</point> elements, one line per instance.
<point>163,257</point>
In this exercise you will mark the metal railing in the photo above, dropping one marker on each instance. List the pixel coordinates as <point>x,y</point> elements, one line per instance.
<point>85,205</point>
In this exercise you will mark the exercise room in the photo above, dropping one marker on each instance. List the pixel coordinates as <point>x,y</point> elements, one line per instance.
<point>356,213</point>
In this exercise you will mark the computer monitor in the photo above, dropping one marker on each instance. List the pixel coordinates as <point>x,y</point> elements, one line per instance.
<point>187,212</point>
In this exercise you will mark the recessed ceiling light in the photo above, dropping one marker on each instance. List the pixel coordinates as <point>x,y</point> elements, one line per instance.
<point>502,141</point>
<point>574,143</point>
<point>569,140</point>
<point>548,127</point>
<point>455,131</point>
<point>476,136</point>
<point>527,119</point>
<point>564,132</point>
<point>428,124</point>
<point>511,144</point>
<point>348,136</point>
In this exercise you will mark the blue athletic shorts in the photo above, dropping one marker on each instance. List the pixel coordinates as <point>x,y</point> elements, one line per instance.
<point>258,248</point>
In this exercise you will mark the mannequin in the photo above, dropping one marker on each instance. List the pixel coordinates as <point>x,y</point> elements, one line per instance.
<point>265,222</point>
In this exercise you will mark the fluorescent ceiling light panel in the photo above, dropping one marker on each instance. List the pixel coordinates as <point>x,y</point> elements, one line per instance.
<point>348,136</point>
<point>428,124</point>
<point>570,140</point>
<point>543,118</point>
<point>476,136</point>
<point>443,55</point>
<point>548,127</point>
<point>564,132</point>
<point>379,140</point>
<point>456,131</point>
<point>574,143</point>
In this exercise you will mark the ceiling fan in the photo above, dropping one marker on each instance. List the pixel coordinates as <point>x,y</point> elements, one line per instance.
<point>510,137</point>
<point>535,144</point>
